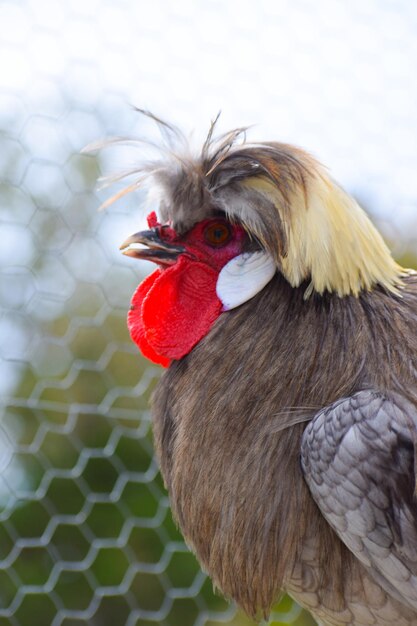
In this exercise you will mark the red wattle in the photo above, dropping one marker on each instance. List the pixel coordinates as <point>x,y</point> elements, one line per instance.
<point>173,309</point>
<point>135,321</point>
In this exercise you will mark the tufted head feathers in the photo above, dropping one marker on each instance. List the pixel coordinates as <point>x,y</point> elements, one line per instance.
<point>284,199</point>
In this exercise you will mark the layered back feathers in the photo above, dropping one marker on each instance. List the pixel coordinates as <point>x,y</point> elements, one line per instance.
<point>285,200</point>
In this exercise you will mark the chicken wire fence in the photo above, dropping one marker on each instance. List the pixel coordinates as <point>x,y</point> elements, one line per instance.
<point>86,534</point>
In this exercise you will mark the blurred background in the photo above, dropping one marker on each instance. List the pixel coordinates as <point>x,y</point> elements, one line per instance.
<point>86,535</point>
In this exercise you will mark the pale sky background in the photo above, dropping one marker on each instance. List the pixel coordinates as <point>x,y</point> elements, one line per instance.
<point>336,77</point>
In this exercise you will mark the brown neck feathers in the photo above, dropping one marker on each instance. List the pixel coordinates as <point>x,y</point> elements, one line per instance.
<point>230,415</point>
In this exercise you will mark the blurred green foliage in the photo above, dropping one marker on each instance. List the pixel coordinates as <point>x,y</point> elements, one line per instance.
<point>69,507</point>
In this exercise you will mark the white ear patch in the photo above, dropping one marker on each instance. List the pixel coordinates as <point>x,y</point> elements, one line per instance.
<point>243,277</point>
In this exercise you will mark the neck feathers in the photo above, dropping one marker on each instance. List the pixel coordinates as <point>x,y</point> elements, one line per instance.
<point>248,512</point>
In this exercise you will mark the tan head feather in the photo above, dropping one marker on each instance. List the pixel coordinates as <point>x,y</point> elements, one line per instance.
<point>331,241</point>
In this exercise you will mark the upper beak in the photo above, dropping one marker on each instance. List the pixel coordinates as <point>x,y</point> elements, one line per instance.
<point>156,249</point>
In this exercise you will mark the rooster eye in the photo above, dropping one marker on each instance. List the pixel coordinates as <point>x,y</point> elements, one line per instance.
<point>217,234</point>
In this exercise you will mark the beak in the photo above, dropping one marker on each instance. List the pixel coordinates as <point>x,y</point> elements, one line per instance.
<point>156,249</point>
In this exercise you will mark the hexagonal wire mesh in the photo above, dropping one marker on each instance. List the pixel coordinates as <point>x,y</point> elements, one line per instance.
<point>85,526</point>
<point>86,534</point>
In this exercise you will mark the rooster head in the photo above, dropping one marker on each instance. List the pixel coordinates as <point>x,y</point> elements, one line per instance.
<point>209,269</point>
<point>230,218</point>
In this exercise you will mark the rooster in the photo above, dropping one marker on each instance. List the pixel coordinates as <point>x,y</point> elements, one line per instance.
<point>285,423</point>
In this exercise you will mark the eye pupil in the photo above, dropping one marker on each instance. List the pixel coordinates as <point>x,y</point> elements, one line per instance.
<point>217,234</point>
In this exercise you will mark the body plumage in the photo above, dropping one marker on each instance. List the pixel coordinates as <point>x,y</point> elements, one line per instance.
<point>245,507</point>
<point>286,426</point>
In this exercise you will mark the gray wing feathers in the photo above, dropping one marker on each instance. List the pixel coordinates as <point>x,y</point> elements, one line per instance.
<point>358,461</point>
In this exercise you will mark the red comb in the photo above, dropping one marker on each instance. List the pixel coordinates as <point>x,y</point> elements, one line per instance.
<point>152,220</point>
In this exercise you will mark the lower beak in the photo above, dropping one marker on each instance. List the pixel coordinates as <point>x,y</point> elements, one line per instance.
<point>156,249</point>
